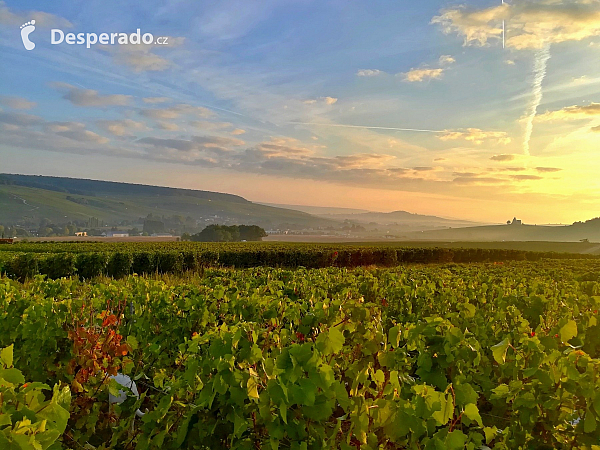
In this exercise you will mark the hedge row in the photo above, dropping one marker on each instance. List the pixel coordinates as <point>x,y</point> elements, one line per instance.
<point>119,264</point>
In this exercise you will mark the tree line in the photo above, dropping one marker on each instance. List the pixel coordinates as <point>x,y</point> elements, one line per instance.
<point>224,233</point>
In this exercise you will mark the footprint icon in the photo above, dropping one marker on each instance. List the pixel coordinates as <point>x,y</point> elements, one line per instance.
<point>26,29</point>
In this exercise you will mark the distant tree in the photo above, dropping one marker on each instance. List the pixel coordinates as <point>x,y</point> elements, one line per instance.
<point>154,226</point>
<point>186,237</point>
<point>234,233</point>
<point>213,233</point>
<point>251,232</point>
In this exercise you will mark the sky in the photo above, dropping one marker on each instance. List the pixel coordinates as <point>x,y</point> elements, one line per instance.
<point>380,105</point>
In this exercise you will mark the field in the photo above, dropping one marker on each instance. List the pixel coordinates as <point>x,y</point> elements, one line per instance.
<point>500,350</point>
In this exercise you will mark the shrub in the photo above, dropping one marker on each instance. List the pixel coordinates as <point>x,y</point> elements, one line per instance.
<point>91,265</point>
<point>58,265</point>
<point>119,264</point>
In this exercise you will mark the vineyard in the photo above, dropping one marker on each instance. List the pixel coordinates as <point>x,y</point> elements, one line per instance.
<point>88,260</point>
<point>501,355</point>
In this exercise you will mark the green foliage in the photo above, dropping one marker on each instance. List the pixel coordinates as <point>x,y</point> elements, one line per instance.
<point>440,356</point>
<point>23,266</point>
<point>58,265</point>
<point>217,233</point>
<point>153,226</point>
<point>144,263</point>
<point>90,259</point>
<point>28,420</point>
<point>119,264</point>
<point>92,264</point>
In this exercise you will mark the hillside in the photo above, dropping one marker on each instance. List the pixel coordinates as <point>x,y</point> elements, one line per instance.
<point>568,233</point>
<point>29,199</point>
<point>402,218</point>
<point>398,220</point>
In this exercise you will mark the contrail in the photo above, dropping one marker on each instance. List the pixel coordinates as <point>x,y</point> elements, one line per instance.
<point>373,128</point>
<point>539,72</point>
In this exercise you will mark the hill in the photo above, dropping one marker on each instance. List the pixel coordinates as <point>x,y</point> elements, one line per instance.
<point>578,231</point>
<point>29,199</point>
<point>399,220</point>
<point>404,218</point>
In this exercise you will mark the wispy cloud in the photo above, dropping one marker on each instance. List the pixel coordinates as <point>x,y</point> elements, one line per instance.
<point>532,25</point>
<point>42,19</point>
<point>574,112</point>
<point>325,100</point>
<point>418,75</point>
<point>89,97</point>
<point>539,72</point>
<point>16,102</point>
<point>476,136</point>
<point>153,100</point>
<point>503,157</point>
<point>123,127</point>
<point>369,72</point>
<point>428,73</point>
<point>143,57</point>
<point>173,112</point>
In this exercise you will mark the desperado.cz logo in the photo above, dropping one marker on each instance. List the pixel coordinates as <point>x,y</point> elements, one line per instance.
<point>26,29</point>
<point>58,37</point>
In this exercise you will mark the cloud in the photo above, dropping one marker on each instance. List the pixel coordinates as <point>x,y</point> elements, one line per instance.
<point>476,135</point>
<point>140,57</point>
<point>207,151</point>
<point>207,125</point>
<point>167,126</point>
<point>418,75</point>
<point>89,97</point>
<point>16,102</point>
<point>153,100</point>
<point>362,160</point>
<point>508,169</point>
<point>584,79</point>
<point>173,112</point>
<point>571,113</point>
<point>238,131</point>
<point>526,177</point>
<point>426,73</point>
<point>474,179</point>
<point>42,19</point>
<point>531,25</point>
<point>548,169</point>
<point>142,61</point>
<point>197,143</point>
<point>75,131</point>
<point>122,127</point>
<point>19,119</point>
<point>287,147</point>
<point>369,73</point>
<point>503,157</point>
<point>446,59</point>
<point>326,100</point>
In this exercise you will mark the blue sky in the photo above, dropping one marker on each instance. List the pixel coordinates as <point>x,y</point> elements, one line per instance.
<point>311,102</point>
